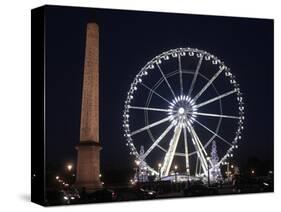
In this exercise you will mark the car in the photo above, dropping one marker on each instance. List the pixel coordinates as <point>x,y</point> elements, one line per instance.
<point>200,190</point>
<point>72,194</point>
<point>146,194</point>
<point>57,197</point>
<point>135,193</point>
<point>102,195</point>
<point>267,186</point>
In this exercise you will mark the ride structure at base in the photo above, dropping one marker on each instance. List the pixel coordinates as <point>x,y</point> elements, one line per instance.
<point>179,131</point>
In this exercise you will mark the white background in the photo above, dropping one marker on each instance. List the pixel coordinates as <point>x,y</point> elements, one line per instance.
<point>15,104</point>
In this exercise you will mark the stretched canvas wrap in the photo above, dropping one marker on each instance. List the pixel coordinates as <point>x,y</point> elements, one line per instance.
<point>135,105</point>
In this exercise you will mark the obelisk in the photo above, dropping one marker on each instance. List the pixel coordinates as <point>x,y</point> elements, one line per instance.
<point>88,160</point>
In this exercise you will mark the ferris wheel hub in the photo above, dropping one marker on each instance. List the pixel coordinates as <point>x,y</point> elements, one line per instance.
<point>182,108</point>
<point>181,111</point>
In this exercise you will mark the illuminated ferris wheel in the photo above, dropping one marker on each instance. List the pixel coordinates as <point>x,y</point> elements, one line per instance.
<point>177,105</point>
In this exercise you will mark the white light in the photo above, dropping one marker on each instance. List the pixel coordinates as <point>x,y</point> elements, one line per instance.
<point>69,167</point>
<point>181,111</point>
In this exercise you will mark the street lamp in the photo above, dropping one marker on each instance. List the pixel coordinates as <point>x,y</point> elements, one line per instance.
<point>227,170</point>
<point>176,168</point>
<point>159,170</point>
<point>208,167</point>
<point>69,167</point>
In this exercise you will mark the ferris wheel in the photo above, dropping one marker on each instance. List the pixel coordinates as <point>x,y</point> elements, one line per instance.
<point>177,105</point>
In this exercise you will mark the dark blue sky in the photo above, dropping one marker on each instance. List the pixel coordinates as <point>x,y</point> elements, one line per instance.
<point>129,39</point>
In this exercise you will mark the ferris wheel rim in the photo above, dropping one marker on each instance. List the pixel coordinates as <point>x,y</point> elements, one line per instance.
<point>202,54</point>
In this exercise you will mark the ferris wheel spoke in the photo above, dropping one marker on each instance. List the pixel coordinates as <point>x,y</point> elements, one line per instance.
<point>180,73</point>
<point>151,125</point>
<point>153,91</point>
<point>157,141</point>
<point>195,76</point>
<point>150,108</point>
<point>165,78</point>
<point>202,125</point>
<point>208,84</point>
<point>215,99</point>
<point>214,115</point>
<point>171,151</point>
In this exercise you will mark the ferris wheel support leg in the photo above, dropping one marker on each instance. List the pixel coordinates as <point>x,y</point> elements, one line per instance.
<point>186,152</point>
<point>196,167</point>
<point>198,148</point>
<point>171,152</point>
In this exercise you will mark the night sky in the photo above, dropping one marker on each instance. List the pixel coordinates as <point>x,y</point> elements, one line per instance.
<point>128,40</point>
